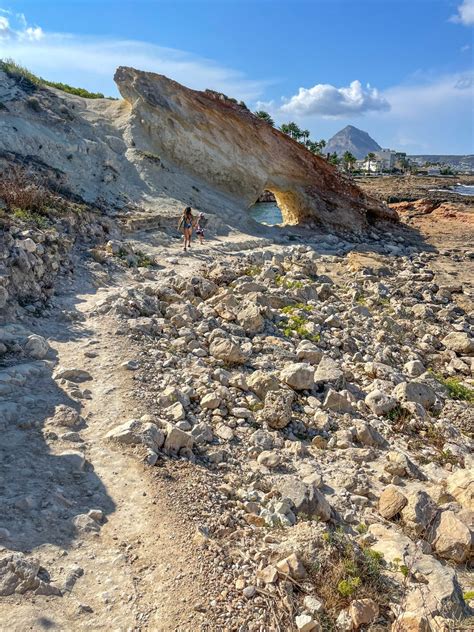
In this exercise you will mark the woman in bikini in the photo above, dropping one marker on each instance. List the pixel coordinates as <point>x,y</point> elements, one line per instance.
<point>186,224</point>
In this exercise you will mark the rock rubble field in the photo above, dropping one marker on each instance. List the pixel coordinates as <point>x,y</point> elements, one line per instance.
<point>307,416</point>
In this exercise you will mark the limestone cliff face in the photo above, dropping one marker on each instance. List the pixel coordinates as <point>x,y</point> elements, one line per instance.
<point>235,152</point>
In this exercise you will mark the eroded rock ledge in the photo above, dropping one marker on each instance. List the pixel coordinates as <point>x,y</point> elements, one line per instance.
<point>236,153</point>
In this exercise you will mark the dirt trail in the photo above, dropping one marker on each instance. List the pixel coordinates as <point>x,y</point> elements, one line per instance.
<point>137,571</point>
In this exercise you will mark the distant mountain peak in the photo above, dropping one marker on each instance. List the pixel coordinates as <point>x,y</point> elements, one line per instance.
<point>352,139</point>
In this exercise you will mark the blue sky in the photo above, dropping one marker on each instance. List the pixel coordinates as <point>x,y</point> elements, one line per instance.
<point>400,69</point>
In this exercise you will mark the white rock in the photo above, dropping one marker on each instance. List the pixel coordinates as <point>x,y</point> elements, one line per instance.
<point>460,342</point>
<point>379,402</point>
<point>36,347</point>
<point>268,459</point>
<point>414,368</point>
<point>299,376</point>
<point>306,623</point>
<point>177,439</point>
<point>417,392</point>
<point>211,401</point>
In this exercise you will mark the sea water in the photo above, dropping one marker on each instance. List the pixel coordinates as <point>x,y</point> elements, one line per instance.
<point>266,213</point>
<point>460,189</point>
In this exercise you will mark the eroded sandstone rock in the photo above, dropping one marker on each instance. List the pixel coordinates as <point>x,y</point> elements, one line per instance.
<point>235,152</point>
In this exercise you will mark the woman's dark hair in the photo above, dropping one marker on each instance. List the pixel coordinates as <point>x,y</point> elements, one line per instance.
<point>187,210</point>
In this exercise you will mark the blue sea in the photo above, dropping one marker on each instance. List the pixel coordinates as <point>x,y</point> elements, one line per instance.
<point>460,189</point>
<point>266,213</point>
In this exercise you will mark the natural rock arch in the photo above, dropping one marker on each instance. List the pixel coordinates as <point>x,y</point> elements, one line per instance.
<point>238,154</point>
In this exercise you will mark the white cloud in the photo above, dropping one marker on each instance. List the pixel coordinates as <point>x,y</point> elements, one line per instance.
<point>447,93</point>
<point>465,14</point>
<point>328,101</point>
<point>15,27</point>
<point>32,33</point>
<point>92,61</point>
<point>4,27</point>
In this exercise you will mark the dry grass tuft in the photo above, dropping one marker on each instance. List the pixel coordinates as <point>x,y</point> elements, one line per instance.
<point>343,571</point>
<point>22,191</point>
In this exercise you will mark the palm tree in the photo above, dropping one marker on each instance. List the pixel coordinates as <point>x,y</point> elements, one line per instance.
<point>316,147</point>
<point>265,116</point>
<point>305,135</point>
<point>295,131</point>
<point>370,156</point>
<point>349,160</point>
<point>292,130</point>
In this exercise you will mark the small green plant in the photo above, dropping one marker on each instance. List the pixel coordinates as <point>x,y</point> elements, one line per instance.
<point>281,281</point>
<point>31,217</point>
<point>347,587</point>
<point>144,260</point>
<point>290,309</point>
<point>397,414</point>
<point>397,567</point>
<point>456,389</point>
<point>467,596</point>
<point>296,324</point>
<point>253,271</point>
<point>256,406</point>
<point>362,528</point>
<point>372,563</point>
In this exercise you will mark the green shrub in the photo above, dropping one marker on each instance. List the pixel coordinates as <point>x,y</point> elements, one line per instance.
<point>281,281</point>
<point>397,414</point>
<point>144,260</point>
<point>30,217</point>
<point>347,587</point>
<point>456,389</point>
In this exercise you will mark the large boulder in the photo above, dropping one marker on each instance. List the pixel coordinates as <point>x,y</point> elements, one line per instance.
<point>277,409</point>
<point>451,538</point>
<point>460,342</point>
<point>228,351</point>
<point>306,497</point>
<point>391,502</point>
<point>236,155</point>
<point>261,382</point>
<point>298,375</point>
<point>417,392</point>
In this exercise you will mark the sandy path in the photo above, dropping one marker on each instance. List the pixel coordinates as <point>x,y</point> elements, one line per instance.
<point>138,571</point>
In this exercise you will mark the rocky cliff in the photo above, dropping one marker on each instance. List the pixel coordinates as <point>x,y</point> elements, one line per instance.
<point>232,150</point>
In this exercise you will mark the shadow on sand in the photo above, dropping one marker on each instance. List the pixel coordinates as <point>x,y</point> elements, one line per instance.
<point>45,478</point>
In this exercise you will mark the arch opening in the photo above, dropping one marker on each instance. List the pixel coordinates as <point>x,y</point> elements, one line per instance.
<point>266,210</point>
